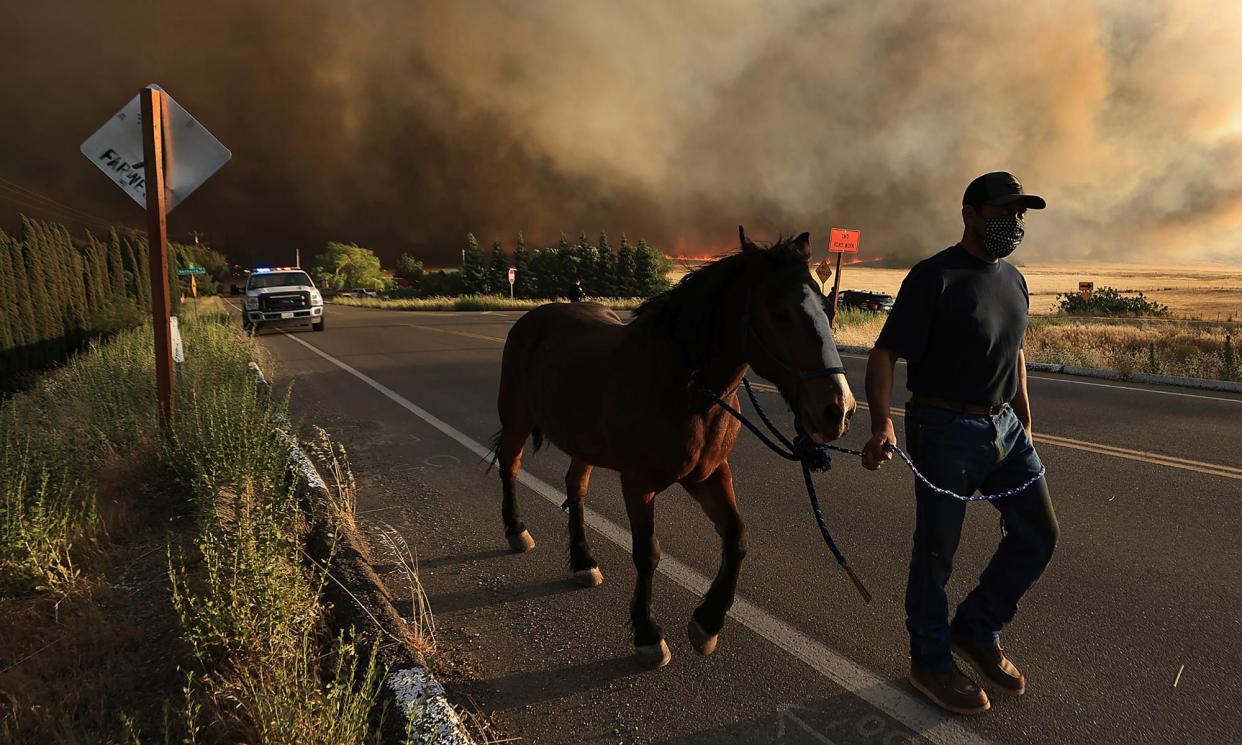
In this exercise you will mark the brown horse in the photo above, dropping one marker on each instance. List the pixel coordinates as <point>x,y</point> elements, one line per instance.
<point>630,397</point>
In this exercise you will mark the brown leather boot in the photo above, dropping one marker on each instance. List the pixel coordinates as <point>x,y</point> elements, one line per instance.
<point>991,663</point>
<point>950,690</point>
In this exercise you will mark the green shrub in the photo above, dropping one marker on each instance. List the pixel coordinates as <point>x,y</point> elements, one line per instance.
<point>1108,301</point>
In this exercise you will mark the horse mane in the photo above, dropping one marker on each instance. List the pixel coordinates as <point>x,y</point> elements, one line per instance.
<point>687,310</point>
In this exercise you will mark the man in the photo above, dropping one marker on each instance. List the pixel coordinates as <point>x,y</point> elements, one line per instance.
<point>959,322</point>
<point>576,293</point>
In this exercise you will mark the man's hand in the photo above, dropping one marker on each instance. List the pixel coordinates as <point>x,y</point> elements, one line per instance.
<point>874,452</point>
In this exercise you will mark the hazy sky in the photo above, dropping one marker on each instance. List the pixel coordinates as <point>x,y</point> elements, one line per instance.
<point>402,125</point>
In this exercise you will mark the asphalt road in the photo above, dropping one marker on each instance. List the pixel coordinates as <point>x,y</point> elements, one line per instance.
<point>1147,483</point>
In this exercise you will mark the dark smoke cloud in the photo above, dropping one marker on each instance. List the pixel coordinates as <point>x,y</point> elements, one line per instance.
<point>402,126</point>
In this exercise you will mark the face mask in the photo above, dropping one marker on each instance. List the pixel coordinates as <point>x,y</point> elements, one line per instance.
<point>1001,235</point>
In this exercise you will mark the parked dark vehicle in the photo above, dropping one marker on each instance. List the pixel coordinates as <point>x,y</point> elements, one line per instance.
<point>876,302</point>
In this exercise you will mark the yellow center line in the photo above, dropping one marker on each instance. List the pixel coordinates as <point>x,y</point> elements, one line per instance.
<point>1169,461</point>
<point>454,333</point>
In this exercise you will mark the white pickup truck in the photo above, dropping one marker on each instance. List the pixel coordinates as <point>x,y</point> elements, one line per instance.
<point>281,297</point>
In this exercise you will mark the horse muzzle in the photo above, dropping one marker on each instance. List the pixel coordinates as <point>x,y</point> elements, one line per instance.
<point>829,420</point>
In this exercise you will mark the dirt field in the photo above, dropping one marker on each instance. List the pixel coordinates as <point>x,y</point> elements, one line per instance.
<point>1208,292</point>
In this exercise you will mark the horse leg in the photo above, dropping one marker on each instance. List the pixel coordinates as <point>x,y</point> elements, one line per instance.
<point>512,442</point>
<point>715,495</point>
<point>649,646</point>
<point>583,566</point>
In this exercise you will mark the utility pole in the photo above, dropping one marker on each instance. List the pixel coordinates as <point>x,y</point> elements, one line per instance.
<point>297,257</point>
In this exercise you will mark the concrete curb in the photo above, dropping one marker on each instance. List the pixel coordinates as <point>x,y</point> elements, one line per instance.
<point>411,688</point>
<point>1203,384</point>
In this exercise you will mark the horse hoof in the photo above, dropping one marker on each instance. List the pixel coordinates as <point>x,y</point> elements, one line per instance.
<point>703,642</point>
<point>521,542</point>
<point>592,577</point>
<point>653,656</point>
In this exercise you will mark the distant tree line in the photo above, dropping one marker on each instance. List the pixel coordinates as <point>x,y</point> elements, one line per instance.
<point>58,292</point>
<point>637,270</point>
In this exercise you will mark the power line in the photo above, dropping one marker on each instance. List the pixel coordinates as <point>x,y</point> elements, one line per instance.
<point>40,197</point>
<point>27,205</point>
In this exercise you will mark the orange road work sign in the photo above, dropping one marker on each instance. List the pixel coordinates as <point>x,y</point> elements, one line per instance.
<point>843,241</point>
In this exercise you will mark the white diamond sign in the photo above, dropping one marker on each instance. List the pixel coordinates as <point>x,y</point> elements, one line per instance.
<point>193,154</point>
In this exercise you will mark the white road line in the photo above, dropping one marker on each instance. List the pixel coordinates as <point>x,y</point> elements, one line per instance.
<point>1100,385</point>
<point>911,712</point>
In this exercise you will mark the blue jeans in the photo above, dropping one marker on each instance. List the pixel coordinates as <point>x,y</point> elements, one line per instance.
<point>966,453</point>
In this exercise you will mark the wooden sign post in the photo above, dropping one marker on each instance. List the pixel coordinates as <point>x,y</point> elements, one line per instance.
<point>135,150</point>
<point>154,155</point>
<point>840,242</point>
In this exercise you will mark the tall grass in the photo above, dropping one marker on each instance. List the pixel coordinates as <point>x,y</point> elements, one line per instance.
<point>247,601</point>
<point>42,516</point>
<point>1186,350</point>
<point>262,665</point>
<point>1192,350</point>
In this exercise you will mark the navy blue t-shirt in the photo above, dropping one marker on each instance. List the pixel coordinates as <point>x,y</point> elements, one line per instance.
<point>959,323</point>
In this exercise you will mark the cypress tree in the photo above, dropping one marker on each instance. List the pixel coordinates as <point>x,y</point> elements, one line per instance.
<point>133,282</point>
<point>81,306</point>
<point>521,261</point>
<point>116,268</point>
<point>45,322</point>
<point>472,271</point>
<point>58,285</point>
<point>498,271</point>
<point>566,271</point>
<point>650,270</point>
<point>606,267</point>
<point>8,308</point>
<point>587,265</point>
<point>99,277</point>
<point>544,271</point>
<point>8,314</point>
<point>626,285</point>
<point>27,313</point>
<point>68,284</point>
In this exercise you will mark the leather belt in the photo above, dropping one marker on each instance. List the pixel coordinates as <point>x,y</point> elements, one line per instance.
<point>963,406</point>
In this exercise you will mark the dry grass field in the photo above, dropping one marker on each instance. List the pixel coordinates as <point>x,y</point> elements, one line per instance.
<point>1210,293</point>
<point>1201,350</point>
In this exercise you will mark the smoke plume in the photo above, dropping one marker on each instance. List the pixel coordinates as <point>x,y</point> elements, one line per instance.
<point>402,126</point>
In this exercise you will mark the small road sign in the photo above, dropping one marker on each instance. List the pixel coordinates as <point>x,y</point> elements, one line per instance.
<point>192,154</point>
<point>512,275</point>
<point>823,271</point>
<point>191,271</point>
<point>843,241</point>
<point>1085,289</point>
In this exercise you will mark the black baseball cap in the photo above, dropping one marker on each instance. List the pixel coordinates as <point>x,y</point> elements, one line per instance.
<point>1000,188</point>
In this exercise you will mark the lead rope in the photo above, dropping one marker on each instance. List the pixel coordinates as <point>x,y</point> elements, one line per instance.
<point>815,457</point>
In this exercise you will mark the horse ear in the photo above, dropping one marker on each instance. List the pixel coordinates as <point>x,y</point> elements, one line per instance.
<point>746,244</point>
<point>803,242</point>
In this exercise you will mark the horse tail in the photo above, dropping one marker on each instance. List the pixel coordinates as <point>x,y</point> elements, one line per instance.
<point>493,452</point>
